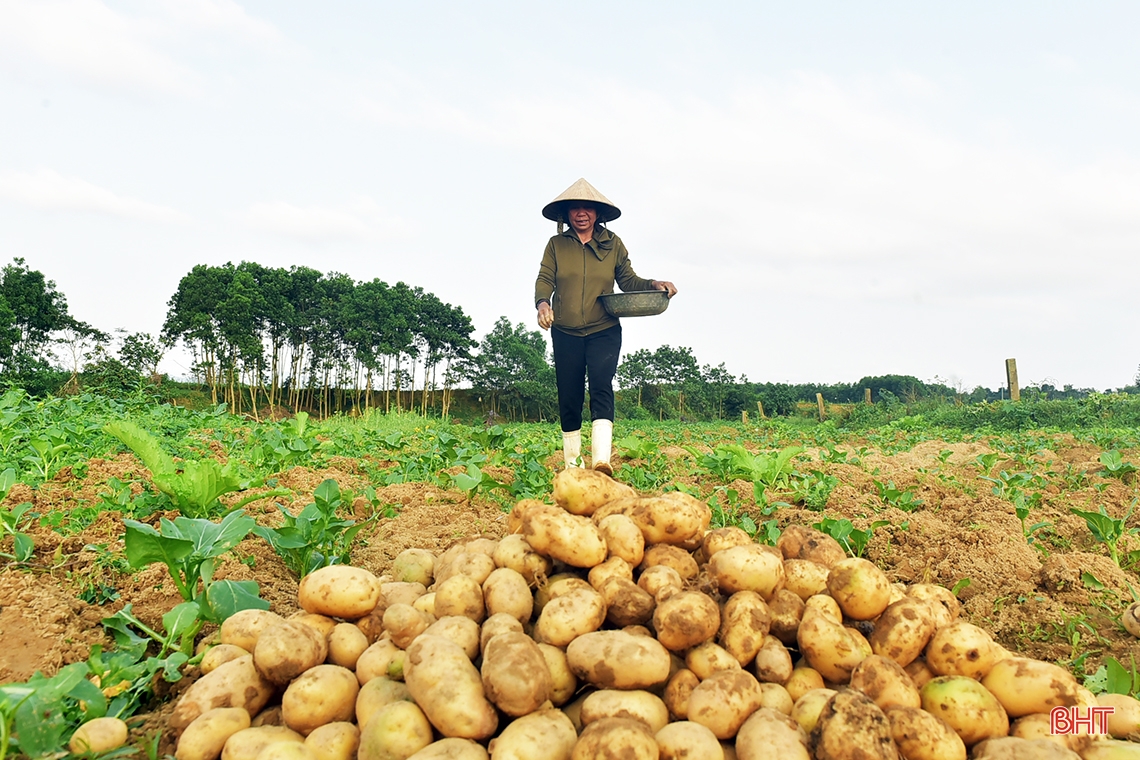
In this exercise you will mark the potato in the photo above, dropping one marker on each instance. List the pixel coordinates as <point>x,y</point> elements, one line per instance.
<point>623,538</point>
<point>616,739</point>
<point>1124,722</point>
<point>322,694</point>
<point>563,681</point>
<point>1025,686</point>
<point>944,605</point>
<point>768,734</point>
<point>414,566</point>
<point>619,660</point>
<point>677,692</point>
<point>395,732</point>
<point>397,592</point>
<point>242,628</point>
<point>378,693</point>
<point>747,568</point>
<point>506,590</point>
<point>960,649</point>
<point>885,682</point>
<point>671,556</point>
<point>98,735</point>
<point>548,734</point>
<point>518,511</point>
<point>339,591</point>
<point>474,564</point>
<point>673,518</point>
<point>287,650</point>
<point>322,624</point>
<point>922,736</point>
<point>558,585</point>
<point>613,567</point>
<point>800,542</point>
<point>514,673</point>
<point>426,604</point>
<point>849,726</point>
<point>495,624</point>
<point>707,658</point>
<point>1040,726</point>
<point>776,697</point>
<point>744,625</point>
<point>785,611</point>
<point>661,582</point>
<point>451,749</point>
<point>903,630</point>
<point>724,700</point>
<point>382,659</point>
<point>580,491</point>
<point>204,738</point>
<point>803,680</point>
<point>459,595</point>
<point>919,673</point>
<point>635,704</point>
<point>862,590</point>
<point>773,663</point>
<point>219,654</point>
<point>722,538</point>
<point>1111,749</point>
<point>462,630</point>
<point>805,578</point>
<point>236,683</point>
<point>568,617</point>
<point>514,552</point>
<point>626,603</point>
<point>807,708</point>
<point>270,716</point>
<point>685,620</point>
<point>334,741</point>
<point>685,740</point>
<point>248,743</point>
<point>564,537</point>
<point>967,706</point>
<point>346,643</point>
<point>449,689</point>
<point>1014,748</point>
<point>286,751</point>
<point>830,648</point>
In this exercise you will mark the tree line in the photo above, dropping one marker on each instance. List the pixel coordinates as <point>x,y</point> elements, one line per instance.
<point>298,338</point>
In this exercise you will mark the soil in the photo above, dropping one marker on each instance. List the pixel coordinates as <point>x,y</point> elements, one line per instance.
<point>1032,598</point>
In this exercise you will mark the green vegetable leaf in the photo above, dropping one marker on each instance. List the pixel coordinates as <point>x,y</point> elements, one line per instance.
<point>145,545</point>
<point>225,597</point>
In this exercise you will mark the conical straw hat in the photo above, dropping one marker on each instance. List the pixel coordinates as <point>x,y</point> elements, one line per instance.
<point>581,190</point>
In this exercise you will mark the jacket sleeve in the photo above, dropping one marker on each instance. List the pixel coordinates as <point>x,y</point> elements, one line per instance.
<point>547,273</point>
<point>627,279</point>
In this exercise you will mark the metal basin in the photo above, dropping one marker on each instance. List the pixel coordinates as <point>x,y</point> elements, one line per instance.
<point>636,303</point>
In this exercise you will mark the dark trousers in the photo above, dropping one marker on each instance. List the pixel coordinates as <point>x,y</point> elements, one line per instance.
<point>578,358</point>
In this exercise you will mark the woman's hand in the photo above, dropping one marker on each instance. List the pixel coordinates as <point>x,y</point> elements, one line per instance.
<point>545,315</point>
<point>665,285</point>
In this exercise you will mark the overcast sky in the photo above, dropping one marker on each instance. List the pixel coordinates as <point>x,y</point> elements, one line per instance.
<point>838,189</point>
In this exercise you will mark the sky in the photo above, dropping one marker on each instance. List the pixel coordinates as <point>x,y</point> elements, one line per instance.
<point>837,189</point>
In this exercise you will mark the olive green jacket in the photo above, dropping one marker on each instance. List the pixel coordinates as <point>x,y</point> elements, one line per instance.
<point>573,275</point>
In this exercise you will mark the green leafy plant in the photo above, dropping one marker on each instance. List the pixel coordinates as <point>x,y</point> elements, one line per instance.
<point>13,521</point>
<point>316,537</point>
<point>813,489</point>
<point>891,496</point>
<point>1109,531</point>
<point>1113,677</point>
<point>1115,466</point>
<point>193,486</point>
<point>731,461</point>
<point>190,548</point>
<point>853,541</point>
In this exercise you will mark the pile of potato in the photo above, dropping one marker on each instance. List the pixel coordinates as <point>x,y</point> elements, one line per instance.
<point>613,625</point>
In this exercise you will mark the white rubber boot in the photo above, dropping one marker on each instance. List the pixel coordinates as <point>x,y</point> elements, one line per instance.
<point>572,448</point>
<point>601,444</point>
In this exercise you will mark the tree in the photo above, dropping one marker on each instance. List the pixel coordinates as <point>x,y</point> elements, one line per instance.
<point>141,352</point>
<point>512,369</point>
<point>37,311</point>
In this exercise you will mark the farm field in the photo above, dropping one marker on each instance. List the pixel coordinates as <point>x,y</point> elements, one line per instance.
<point>1035,532</point>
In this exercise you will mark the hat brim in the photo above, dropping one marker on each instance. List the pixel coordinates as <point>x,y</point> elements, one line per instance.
<point>555,211</point>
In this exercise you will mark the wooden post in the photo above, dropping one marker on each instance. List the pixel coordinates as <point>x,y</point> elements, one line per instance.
<point>819,403</point>
<point>760,408</point>
<point>744,416</point>
<point>1011,377</point>
<point>867,395</point>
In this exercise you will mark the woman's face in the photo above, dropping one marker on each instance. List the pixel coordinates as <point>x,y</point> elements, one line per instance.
<point>582,217</point>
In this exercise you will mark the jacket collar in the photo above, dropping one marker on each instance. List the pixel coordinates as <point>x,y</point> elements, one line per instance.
<point>601,244</point>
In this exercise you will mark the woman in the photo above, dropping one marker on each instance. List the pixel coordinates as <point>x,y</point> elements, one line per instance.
<point>580,264</point>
